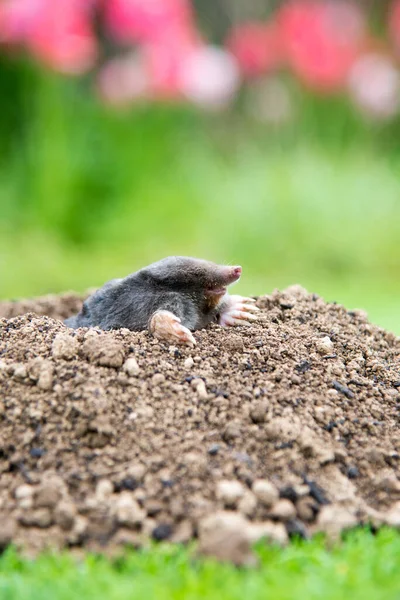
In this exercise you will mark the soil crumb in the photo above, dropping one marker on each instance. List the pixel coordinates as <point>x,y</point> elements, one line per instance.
<point>285,427</point>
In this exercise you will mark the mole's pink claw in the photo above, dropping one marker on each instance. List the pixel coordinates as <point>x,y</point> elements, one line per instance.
<point>237,310</point>
<point>164,325</point>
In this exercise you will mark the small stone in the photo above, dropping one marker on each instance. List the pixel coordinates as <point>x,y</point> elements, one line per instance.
<point>64,515</point>
<point>65,346</point>
<point>258,412</point>
<point>231,432</point>
<point>162,532</point>
<point>24,491</point>
<point>131,367</point>
<point>200,387</point>
<point>283,510</point>
<point>47,496</point>
<point>24,496</point>
<point>324,345</point>
<point>20,372</point>
<point>46,374</point>
<point>37,452</point>
<point>334,519</point>
<point>226,536</point>
<point>158,378</point>
<point>214,449</point>
<point>104,490</point>
<point>325,455</point>
<point>230,492</point>
<point>189,362</point>
<point>77,534</point>
<point>265,492</point>
<point>353,472</point>
<point>307,509</point>
<point>247,504</point>
<point>103,351</point>
<point>41,517</point>
<point>127,483</point>
<point>128,511</point>
<point>137,471</point>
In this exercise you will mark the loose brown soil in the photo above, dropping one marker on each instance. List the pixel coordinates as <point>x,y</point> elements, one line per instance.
<point>288,426</point>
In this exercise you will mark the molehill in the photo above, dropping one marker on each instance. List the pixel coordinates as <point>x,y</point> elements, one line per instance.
<point>287,426</point>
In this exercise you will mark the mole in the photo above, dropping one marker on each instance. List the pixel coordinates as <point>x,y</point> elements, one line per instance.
<point>171,297</point>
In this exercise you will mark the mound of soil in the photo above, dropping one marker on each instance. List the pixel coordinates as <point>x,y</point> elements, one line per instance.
<point>288,426</point>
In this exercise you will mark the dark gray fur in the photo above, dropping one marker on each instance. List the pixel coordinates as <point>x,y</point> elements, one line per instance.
<point>176,284</point>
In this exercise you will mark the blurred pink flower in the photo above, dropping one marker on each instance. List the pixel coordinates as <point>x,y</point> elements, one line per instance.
<point>123,80</point>
<point>163,66</point>
<point>58,32</point>
<point>205,75</point>
<point>164,62</point>
<point>165,32</point>
<point>374,85</point>
<point>148,21</point>
<point>17,18</point>
<point>209,77</point>
<point>256,47</point>
<point>321,40</point>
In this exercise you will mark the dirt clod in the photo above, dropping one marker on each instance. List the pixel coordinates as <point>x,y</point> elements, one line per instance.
<point>282,428</point>
<point>265,492</point>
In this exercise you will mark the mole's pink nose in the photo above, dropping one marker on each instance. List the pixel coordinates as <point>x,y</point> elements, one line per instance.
<point>231,274</point>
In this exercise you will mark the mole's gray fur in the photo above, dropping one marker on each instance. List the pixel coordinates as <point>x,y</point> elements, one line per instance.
<point>177,284</point>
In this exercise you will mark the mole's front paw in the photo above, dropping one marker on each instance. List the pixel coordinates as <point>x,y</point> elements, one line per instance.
<point>238,311</point>
<point>164,325</point>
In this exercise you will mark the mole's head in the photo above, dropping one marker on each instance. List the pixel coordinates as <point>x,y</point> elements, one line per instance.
<point>194,276</point>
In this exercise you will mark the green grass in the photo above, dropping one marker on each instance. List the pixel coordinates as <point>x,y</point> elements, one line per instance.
<point>364,567</point>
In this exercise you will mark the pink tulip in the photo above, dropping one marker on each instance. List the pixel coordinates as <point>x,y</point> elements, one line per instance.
<point>165,31</point>
<point>18,18</point>
<point>374,85</point>
<point>124,80</point>
<point>321,40</point>
<point>256,47</point>
<point>63,38</point>
<point>147,21</point>
<point>58,33</point>
<point>209,77</point>
<point>166,58</point>
<point>163,66</point>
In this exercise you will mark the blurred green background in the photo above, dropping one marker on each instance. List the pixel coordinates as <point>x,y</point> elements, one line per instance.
<point>88,193</point>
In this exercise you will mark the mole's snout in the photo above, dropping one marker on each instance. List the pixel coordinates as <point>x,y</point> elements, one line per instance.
<point>237,271</point>
<point>232,274</point>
